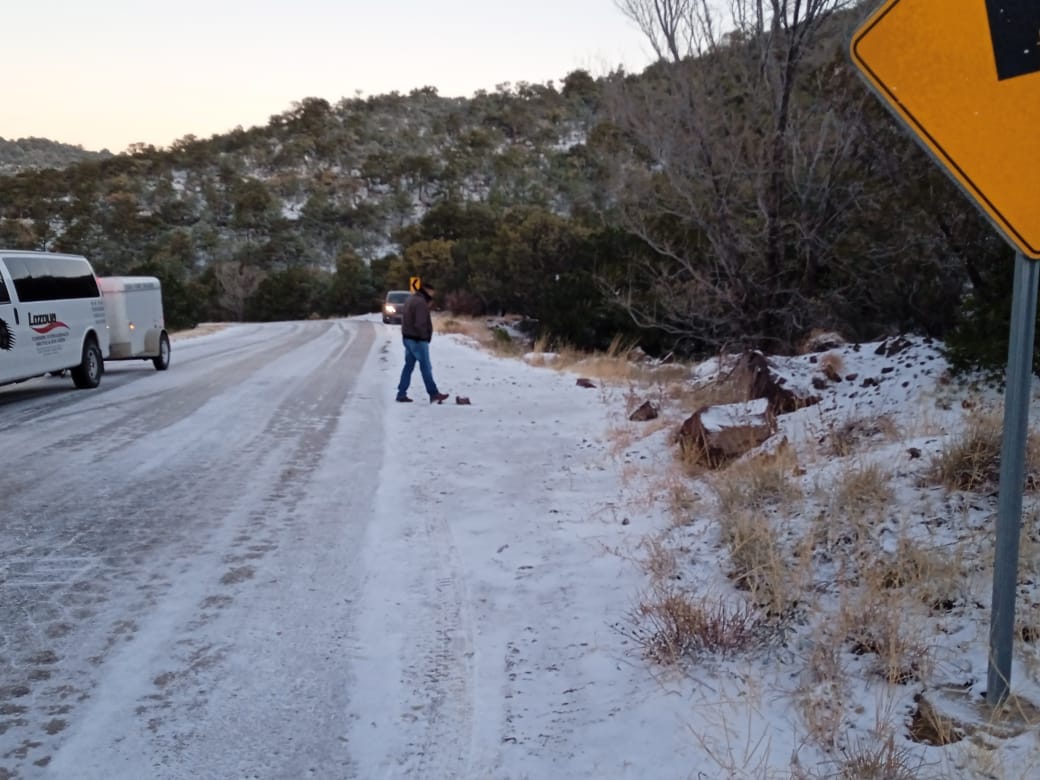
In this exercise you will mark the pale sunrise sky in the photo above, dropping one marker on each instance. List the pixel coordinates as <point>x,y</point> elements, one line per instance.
<point>108,73</point>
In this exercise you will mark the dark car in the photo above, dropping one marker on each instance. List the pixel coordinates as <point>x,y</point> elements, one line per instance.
<point>394,305</point>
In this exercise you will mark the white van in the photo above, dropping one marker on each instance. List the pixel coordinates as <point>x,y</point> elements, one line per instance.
<point>136,327</point>
<point>52,317</point>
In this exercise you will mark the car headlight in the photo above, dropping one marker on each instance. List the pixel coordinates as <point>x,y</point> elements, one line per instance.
<point>389,309</point>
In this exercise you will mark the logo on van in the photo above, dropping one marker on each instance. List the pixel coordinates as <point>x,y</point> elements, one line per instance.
<point>6,337</point>
<point>45,323</point>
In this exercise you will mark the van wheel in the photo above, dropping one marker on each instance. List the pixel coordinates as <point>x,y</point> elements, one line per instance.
<point>162,360</point>
<point>88,373</point>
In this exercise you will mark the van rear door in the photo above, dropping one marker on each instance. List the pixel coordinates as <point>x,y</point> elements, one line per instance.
<point>17,356</point>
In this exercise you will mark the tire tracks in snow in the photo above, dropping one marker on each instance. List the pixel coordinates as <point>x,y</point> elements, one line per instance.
<point>91,554</point>
<point>414,649</point>
<point>441,680</point>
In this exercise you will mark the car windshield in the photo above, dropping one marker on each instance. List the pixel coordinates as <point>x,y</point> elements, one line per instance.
<point>397,297</point>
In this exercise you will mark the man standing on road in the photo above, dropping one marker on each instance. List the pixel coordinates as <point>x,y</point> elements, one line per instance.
<point>417,330</point>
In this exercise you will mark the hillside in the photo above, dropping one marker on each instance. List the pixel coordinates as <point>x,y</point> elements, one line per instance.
<point>316,179</point>
<point>32,154</point>
<point>821,604</point>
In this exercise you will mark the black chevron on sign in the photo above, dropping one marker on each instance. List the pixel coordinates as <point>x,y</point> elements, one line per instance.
<point>1014,26</point>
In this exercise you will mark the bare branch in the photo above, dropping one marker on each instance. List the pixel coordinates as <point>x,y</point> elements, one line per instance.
<point>738,199</point>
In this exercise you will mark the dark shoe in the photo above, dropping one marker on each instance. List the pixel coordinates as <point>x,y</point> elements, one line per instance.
<point>403,399</point>
<point>436,399</point>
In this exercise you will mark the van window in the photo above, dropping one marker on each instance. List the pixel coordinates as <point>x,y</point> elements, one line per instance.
<point>5,297</point>
<point>51,278</point>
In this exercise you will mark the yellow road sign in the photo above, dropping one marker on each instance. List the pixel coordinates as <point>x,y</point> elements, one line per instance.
<point>414,283</point>
<point>964,76</point>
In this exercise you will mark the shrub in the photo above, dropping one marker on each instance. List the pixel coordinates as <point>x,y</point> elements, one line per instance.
<point>672,625</point>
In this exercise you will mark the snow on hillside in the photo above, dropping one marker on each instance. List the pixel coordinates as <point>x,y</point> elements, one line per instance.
<point>866,581</point>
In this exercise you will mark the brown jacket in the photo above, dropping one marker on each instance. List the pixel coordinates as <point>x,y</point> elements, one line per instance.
<point>415,319</point>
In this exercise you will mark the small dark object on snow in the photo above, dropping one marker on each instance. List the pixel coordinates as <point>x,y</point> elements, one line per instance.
<point>462,400</point>
<point>583,382</point>
<point>914,452</point>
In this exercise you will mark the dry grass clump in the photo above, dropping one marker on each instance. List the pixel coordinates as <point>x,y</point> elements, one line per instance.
<point>751,493</point>
<point>833,363</point>
<point>842,439</point>
<point>465,326</point>
<point>855,500</point>
<point>617,362</point>
<point>667,489</point>
<point>620,362</point>
<point>694,395</point>
<point>932,577</point>
<point>774,569</point>
<point>494,338</point>
<point>930,727</point>
<point>681,500</point>
<point>759,482</point>
<point>971,461</point>
<point>881,760</point>
<point>821,699</point>
<point>878,626</point>
<point>754,551</point>
<point>863,491</point>
<point>885,601</point>
<point>672,625</point>
<point>659,561</point>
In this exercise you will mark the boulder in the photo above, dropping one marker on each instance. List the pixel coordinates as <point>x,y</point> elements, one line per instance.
<point>893,346</point>
<point>645,412</point>
<point>715,435</point>
<point>752,372</point>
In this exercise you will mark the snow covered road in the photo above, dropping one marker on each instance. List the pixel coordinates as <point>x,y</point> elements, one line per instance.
<point>256,565</point>
<point>178,554</point>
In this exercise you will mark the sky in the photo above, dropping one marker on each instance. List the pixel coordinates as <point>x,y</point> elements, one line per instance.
<point>495,592</point>
<point>111,73</point>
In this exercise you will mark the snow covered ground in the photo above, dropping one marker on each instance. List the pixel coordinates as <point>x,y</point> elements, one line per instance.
<point>533,586</point>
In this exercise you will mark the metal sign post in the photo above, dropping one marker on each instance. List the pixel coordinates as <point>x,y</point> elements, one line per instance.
<point>1012,477</point>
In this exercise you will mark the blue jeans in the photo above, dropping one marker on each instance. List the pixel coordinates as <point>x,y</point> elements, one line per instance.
<point>416,352</point>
